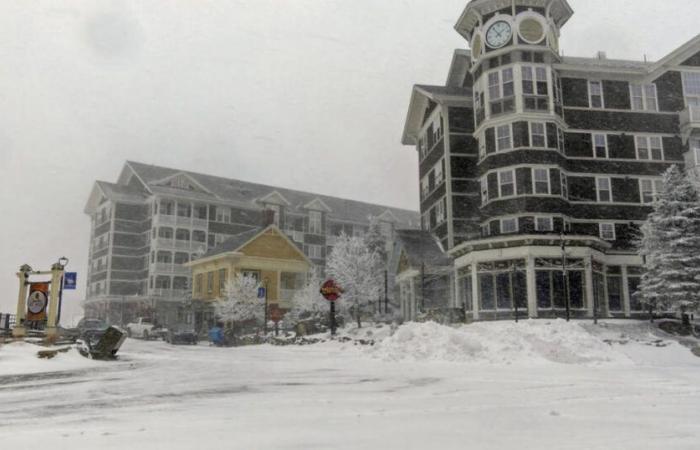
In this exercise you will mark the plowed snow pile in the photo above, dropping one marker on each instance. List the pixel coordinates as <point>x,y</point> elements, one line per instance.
<point>499,342</point>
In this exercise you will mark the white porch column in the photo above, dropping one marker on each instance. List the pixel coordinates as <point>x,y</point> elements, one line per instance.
<point>590,295</point>
<point>626,293</point>
<point>476,301</point>
<point>531,287</point>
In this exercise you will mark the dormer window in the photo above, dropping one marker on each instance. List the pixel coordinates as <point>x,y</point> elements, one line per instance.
<point>315,222</point>
<point>274,209</point>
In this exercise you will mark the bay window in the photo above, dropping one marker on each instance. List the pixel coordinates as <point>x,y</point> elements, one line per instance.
<point>501,91</point>
<point>506,183</point>
<point>504,140</point>
<point>535,88</point>
<point>538,135</point>
<point>544,224</point>
<point>541,181</point>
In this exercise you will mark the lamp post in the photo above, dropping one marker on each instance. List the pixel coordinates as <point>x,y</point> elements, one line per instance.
<point>266,282</point>
<point>565,277</point>
<point>512,291</point>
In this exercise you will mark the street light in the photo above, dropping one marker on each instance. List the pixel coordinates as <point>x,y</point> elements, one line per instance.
<point>564,275</point>
<point>63,261</point>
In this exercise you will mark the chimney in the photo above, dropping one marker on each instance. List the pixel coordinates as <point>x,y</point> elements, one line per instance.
<point>602,55</point>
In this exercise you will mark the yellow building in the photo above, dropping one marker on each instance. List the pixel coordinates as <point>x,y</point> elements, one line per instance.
<point>265,254</point>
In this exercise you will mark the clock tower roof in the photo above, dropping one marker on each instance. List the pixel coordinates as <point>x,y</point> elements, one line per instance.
<point>559,10</point>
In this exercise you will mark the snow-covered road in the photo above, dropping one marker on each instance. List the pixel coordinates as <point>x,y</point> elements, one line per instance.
<point>331,396</point>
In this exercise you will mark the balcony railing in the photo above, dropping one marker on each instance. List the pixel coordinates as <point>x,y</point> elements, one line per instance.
<point>690,118</point>
<point>171,268</point>
<point>180,221</point>
<point>170,294</point>
<point>189,246</point>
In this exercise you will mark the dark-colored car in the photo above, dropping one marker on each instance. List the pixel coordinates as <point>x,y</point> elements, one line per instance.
<point>181,334</point>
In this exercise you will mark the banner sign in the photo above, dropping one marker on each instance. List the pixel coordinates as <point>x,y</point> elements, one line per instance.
<point>262,292</point>
<point>37,301</point>
<point>70,281</point>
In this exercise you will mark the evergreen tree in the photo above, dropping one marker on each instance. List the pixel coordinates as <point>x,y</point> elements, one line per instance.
<point>671,246</point>
<point>375,240</point>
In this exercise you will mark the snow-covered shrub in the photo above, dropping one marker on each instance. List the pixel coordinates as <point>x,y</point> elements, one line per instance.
<point>241,304</point>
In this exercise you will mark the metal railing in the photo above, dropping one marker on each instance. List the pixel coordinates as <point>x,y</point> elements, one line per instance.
<point>690,115</point>
<point>173,294</point>
<point>191,246</point>
<point>7,321</point>
<point>182,221</point>
<point>171,268</point>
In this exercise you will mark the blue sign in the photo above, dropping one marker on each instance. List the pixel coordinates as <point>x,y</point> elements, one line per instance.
<point>261,292</point>
<point>70,281</point>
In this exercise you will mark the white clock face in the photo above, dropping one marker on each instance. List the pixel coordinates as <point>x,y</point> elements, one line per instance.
<point>499,34</point>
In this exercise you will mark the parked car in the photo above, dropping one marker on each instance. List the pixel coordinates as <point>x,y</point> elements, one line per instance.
<point>91,329</point>
<point>142,328</point>
<point>181,334</point>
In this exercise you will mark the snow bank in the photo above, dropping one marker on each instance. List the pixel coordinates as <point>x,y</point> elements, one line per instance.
<point>531,341</point>
<point>21,358</point>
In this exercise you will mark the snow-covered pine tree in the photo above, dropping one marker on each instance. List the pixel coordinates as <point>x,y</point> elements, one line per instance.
<point>307,302</point>
<point>375,240</point>
<point>358,271</point>
<point>241,303</point>
<point>671,246</point>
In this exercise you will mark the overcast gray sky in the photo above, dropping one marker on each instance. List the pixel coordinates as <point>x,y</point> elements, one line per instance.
<point>306,94</point>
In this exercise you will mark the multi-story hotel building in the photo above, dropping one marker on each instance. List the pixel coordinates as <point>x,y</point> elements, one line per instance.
<point>155,219</point>
<point>534,165</point>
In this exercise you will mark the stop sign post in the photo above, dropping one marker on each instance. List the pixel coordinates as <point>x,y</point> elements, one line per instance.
<point>331,292</point>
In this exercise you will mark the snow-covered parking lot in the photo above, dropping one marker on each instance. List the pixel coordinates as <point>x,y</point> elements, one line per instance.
<point>535,385</point>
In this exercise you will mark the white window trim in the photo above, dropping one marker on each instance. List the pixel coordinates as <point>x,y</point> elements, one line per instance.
<point>438,170</point>
<point>509,219</point>
<point>598,190</point>
<point>648,138</point>
<point>549,218</point>
<point>645,99</point>
<point>694,144</point>
<point>654,190</point>
<point>534,181</point>
<point>601,233</point>
<point>515,187</point>
<point>544,128</point>
<point>590,95</point>
<point>594,146</point>
<point>510,138</point>
<point>440,211</point>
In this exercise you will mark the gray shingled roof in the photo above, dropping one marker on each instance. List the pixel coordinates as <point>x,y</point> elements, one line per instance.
<point>606,63</point>
<point>422,247</point>
<point>245,194</point>
<point>120,192</point>
<point>234,243</point>
<point>452,91</point>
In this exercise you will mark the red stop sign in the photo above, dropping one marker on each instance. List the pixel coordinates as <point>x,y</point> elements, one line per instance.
<point>331,291</point>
